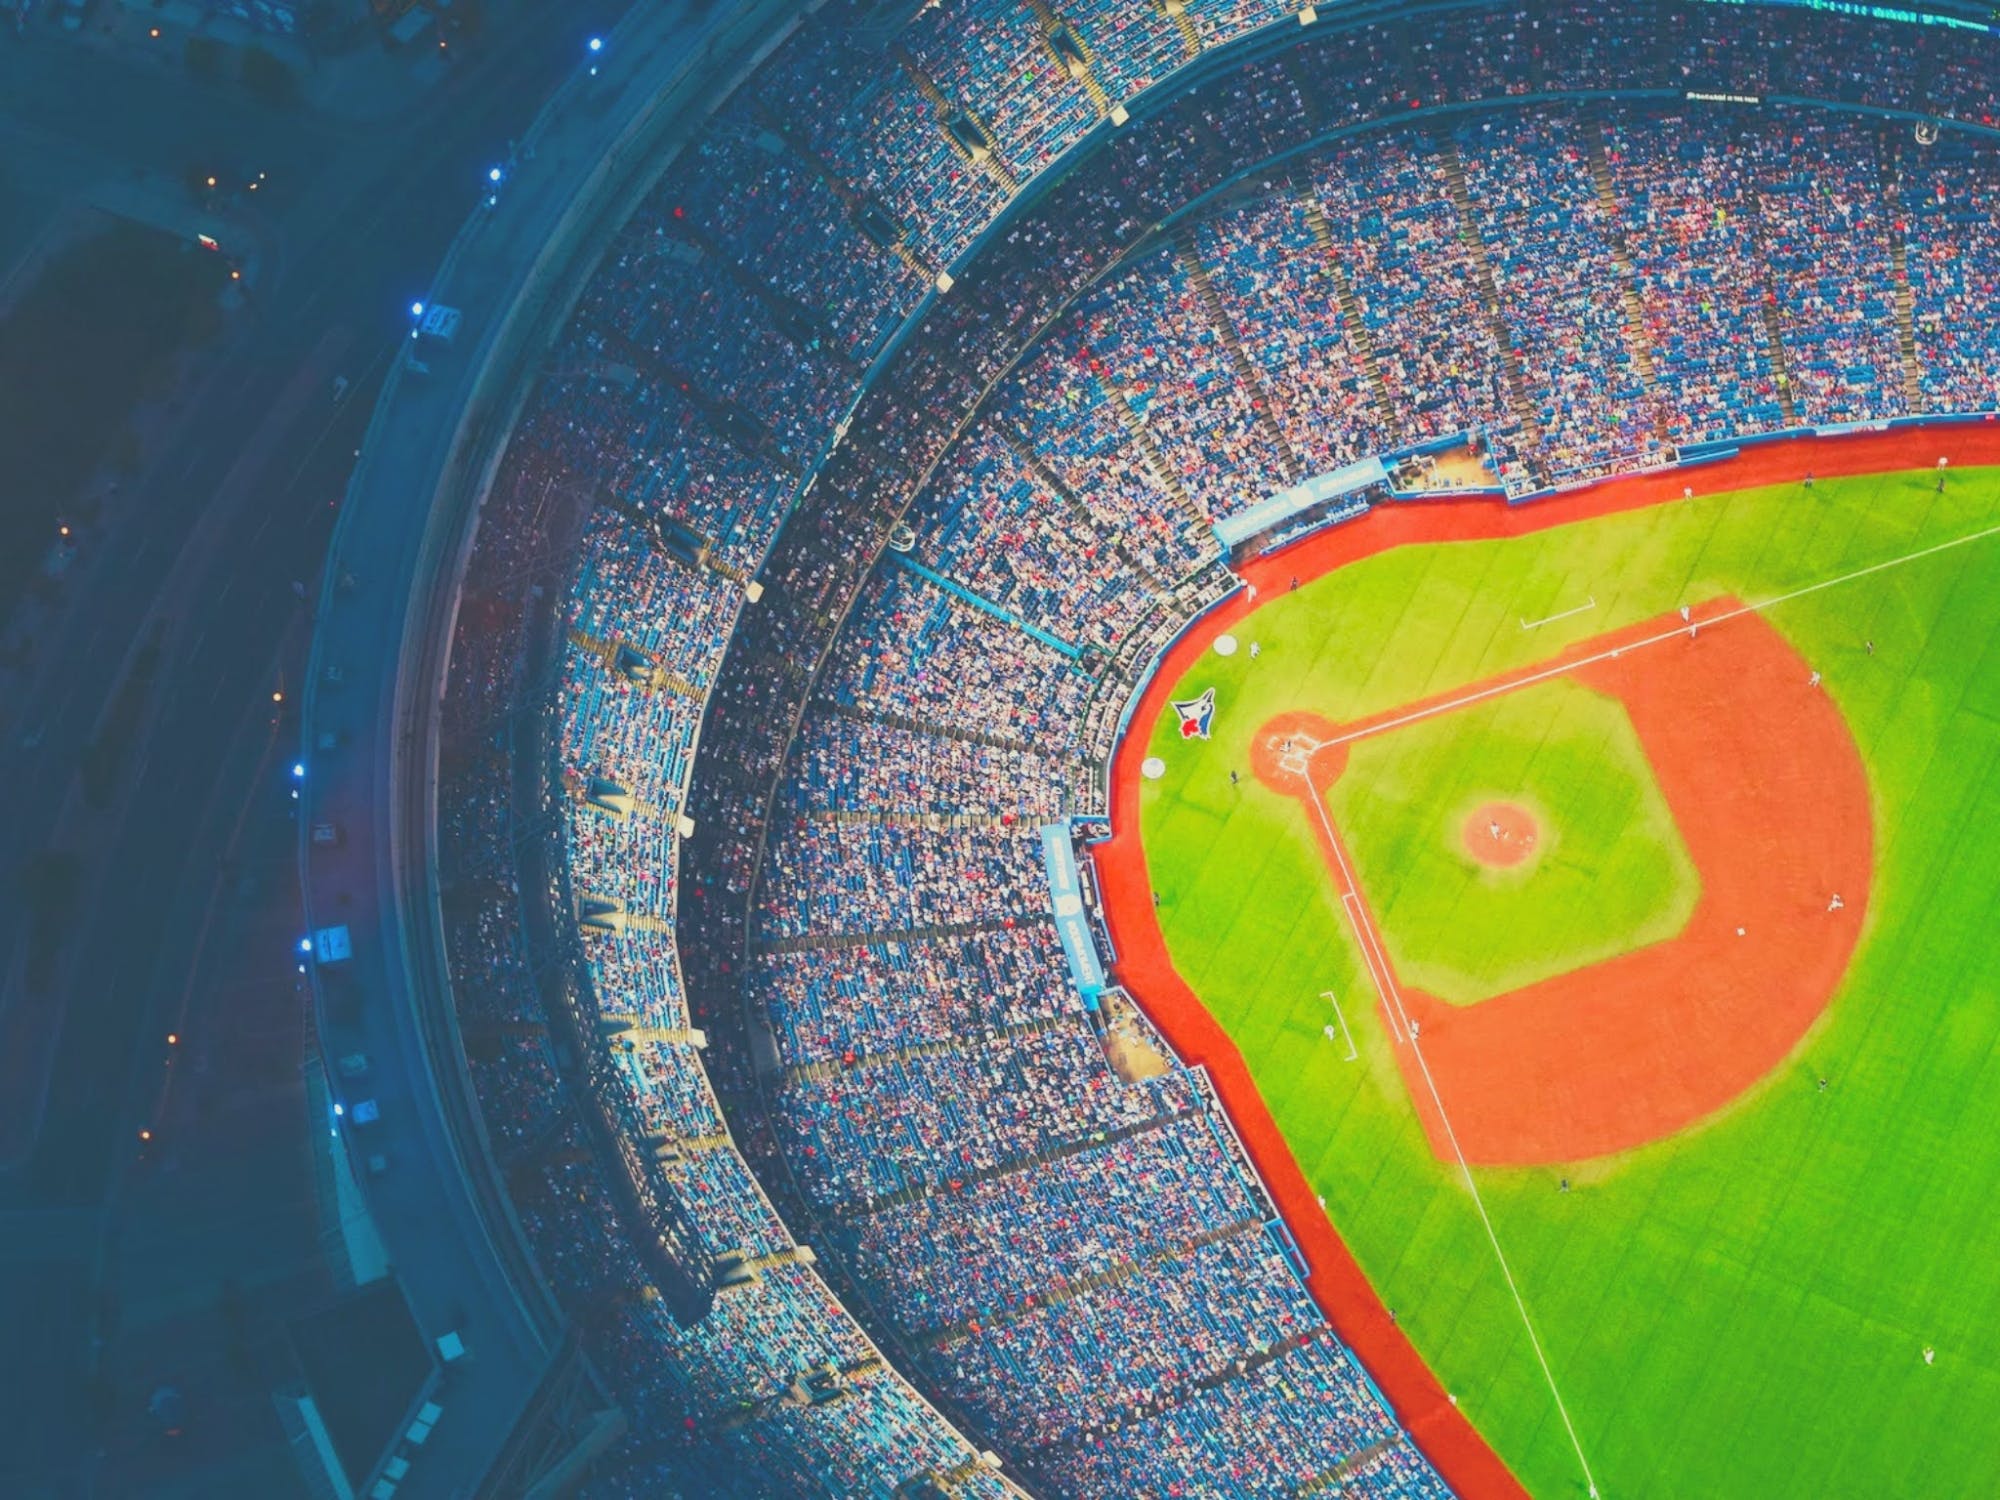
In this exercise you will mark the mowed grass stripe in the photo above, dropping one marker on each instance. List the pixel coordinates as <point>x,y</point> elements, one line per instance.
<point>1741,1310</point>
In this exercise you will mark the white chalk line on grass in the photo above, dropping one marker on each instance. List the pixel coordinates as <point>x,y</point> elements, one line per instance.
<point>1587,605</point>
<point>1351,904</point>
<point>1383,977</point>
<point>1561,669</point>
<point>1353,1052</point>
<point>1392,1002</point>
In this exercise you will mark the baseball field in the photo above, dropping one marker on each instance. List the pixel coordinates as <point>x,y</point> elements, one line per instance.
<point>1606,917</point>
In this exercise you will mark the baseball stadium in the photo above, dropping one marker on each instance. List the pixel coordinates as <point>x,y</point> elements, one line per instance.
<point>1202,748</point>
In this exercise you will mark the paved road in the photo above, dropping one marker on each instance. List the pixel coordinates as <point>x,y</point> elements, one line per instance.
<point>201,553</point>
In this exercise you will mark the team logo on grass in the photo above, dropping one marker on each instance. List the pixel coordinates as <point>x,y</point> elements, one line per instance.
<point>1196,714</point>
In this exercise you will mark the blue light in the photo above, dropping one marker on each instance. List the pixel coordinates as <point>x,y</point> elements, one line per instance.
<point>493,174</point>
<point>298,770</point>
<point>339,1110</point>
<point>416,309</point>
<point>305,945</point>
<point>597,44</point>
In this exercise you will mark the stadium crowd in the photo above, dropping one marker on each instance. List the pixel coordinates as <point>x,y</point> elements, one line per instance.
<point>1077,1262</point>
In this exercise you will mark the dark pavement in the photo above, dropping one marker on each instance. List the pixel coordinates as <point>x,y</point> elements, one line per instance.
<point>189,898</point>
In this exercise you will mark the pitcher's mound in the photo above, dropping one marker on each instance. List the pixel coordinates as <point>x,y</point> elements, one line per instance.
<point>1499,834</point>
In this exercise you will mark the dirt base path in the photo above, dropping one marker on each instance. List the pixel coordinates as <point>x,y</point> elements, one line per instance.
<point>1767,788</point>
<point>1468,1464</point>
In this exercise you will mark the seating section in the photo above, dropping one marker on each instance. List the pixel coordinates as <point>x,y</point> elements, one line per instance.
<point>842,879</point>
<point>1825,223</point>
<point>994,524</point>
<point>945,776</point>
<point>1132,47</point>
<point>996,52</point>
<point>1277,287</point>
<point>750,189</point>
<point>1559,289</point>
<point>1147,335</point>
<point>825,1003</point>
<point>675,311</point>
<point>867,118</point>
<point>1065,407</point>
<point>1952,201</point>
<point>1399,237</point>
<point>934,659</point>
<point>1286,267</point>
<point>921,1118</point>
<point>1689,220</point>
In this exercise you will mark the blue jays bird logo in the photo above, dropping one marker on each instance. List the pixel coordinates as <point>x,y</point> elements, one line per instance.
<point>1195,715</point>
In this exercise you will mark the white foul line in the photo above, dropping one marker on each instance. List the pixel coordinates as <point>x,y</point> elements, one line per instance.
<point>1393,1002</point>
<point>1351,904</point>
<point>1384,980</point>
<point>1560,669</point>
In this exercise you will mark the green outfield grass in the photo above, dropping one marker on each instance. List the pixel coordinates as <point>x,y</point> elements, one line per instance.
<point>1740,1311</point>
<point>1608,874</point>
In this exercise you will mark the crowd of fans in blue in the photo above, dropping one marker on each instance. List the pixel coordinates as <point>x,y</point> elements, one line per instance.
<point>1062,1248</point>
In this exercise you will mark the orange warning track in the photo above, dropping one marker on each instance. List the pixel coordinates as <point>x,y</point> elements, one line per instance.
<point>1768,790</point>
<point>1467,1463</point>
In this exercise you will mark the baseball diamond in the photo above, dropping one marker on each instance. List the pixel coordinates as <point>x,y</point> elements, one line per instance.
<point>1617,1159</point>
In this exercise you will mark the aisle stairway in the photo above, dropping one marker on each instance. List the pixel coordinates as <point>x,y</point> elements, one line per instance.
<point>1055,1293</point>
<point>1246,373</point>
<point>922,726</point>
<point>885,817</point>
<point>825,1069</point>
<point>1156,461</point>
<point>1079,512</point>
<point>1236,1367</point>
<point>1333,1481</point>
<point>657,680</point>
<point>1906,299</point>
<point>812,942</point>
<point>1097,1140</point>
<point>1512,377</point>
<point>985,156</point>
<point>860,208</point>
<point>1350,312</point>
<point>1638,341</point>
<point>1176,11</point>
<point>1072,54</point>
<point>1774,324</point>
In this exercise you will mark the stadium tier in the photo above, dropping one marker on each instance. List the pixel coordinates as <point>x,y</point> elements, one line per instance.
<point>895,433</point>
